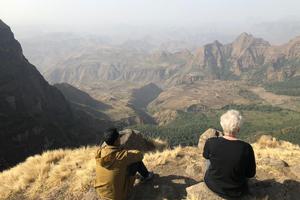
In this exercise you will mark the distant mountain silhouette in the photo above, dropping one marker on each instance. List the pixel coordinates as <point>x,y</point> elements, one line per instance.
<point>247,57</point>
<point>34,115</point>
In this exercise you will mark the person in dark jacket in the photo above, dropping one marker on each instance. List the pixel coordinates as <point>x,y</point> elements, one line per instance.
<point>232,161</point>
<point>116,168</point>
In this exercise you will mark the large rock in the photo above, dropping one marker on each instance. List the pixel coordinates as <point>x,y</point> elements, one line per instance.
<point>201,192</point>
<point>195,170</point>
<point>296,171</point>
<point>273,162</point>
<point>206,135</point>
<point>259,190</point>
<point>132,139</point>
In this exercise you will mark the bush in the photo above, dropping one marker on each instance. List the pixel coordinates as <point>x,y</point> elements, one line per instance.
<point>289,87</point>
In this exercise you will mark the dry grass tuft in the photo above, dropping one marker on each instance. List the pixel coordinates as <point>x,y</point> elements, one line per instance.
<point>160,144</point>
<point>163,157</point>
<point>268,147</point>
<point>62,174</point>
<point>69,174</point>
<point>41,175</point>
<point>268,141</point>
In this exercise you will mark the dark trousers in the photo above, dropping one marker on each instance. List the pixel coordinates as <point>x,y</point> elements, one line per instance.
<point>138,167</point>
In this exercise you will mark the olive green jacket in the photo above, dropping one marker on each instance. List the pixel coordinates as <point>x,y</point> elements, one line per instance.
<point>112,180</point>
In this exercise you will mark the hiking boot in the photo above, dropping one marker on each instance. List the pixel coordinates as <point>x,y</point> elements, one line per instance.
<point>148,178</point>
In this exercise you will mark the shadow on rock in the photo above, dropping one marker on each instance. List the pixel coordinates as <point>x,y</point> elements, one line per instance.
<point>259,190</point>
<point>271,189</point>
<point>166,187</point>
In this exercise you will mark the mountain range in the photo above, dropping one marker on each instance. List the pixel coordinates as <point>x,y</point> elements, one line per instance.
<point>246,58</point>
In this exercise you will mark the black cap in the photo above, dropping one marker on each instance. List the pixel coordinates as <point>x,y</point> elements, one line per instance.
<point>110,136</point>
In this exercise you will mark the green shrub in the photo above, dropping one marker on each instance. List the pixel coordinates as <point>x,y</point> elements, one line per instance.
<point>259,119</point>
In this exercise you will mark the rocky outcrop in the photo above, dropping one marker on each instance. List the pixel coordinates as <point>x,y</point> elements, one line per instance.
<point>206,135</point>
<point>132,139</point>
<point>248,51</point>
<point>259,190</point>
<point>244,53</point>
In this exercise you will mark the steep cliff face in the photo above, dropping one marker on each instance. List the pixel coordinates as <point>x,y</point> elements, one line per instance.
<point>34,115</point>
<point>248,51</point>
<point>244,53</point>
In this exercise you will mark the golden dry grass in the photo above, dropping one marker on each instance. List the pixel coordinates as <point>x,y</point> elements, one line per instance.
<point>62,171</point>
<point>162,157</point>
<point>160,144</point>
<point>41,175</point>
<point>269,147</point>
<point>69,174</point>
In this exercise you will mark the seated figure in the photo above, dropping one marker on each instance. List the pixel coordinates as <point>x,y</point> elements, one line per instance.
<point>116,168</point>
<point>231,161</point>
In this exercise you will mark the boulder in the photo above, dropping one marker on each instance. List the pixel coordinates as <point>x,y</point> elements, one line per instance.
<point>201,192</point>
<point>133,139</point>
<point>208,134</point>
<point>194,170</point>
<point>273,162</point>
<point>296,171</point>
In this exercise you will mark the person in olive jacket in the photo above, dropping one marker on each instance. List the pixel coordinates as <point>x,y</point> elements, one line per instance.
<point>116,168</point>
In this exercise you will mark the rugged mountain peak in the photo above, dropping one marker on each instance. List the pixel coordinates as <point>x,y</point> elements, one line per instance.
<point>292,48</point>
<point>247,51</point>
<point>245,35</point>
<point>217,43</point>
<point>9,46</point>
<point>214,45</point>
<point>245,41</point>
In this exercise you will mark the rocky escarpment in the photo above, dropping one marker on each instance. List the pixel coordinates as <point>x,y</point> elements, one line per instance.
<point>244,53</point>
<point>247,57</point>
<point>34,115</point>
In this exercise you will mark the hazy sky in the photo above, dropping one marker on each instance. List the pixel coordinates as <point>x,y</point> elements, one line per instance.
<point>137,12</point>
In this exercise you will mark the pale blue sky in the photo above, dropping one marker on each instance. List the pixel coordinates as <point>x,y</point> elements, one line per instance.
<point>137,12</point>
